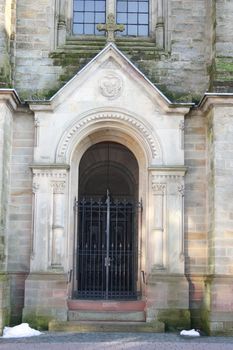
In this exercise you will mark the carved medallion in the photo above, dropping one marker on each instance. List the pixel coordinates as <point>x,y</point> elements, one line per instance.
<point>111,86</point>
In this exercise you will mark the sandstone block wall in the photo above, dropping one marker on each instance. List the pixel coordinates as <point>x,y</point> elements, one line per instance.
<point>20,211</point>
<point>184,71</point>
<point>196,237</point>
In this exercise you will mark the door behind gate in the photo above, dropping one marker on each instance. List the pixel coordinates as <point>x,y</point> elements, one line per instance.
<point>106,248</point>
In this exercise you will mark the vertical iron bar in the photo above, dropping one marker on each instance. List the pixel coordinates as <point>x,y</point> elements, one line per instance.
<point>90,248</point>
<point>74,237</point>
<point>107,243</point>
<point>82,271</point>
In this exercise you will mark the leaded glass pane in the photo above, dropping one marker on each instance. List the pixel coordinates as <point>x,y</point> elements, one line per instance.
<point>89,5</point>
<point>121,6</point>
<point>133,6</point>
<point>121,18</point>
<point>132,29</point>
<point>100,6</point>
<point>100,17</point>
<point>143,30</point>
<point>132,18</point>
<point>143,7</point>
<point>143,18</point>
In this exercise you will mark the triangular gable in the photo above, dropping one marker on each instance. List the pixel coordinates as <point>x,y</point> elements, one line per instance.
<point>110,55</point>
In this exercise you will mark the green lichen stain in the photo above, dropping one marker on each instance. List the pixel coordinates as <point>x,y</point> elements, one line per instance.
<point>222,76</point>
<point>175,319</point>
<point>224,64</point>
<point>37,321</point>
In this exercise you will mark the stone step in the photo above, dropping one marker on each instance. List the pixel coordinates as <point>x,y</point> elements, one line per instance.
<point>103,305</point>
<point>132,316</point>
<point>92,327</point>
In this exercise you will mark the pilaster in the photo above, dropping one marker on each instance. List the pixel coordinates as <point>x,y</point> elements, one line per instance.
<point>49,218</point>
<point>167,287</point>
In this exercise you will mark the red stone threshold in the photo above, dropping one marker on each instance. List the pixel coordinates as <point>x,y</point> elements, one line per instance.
<point>105,305</point>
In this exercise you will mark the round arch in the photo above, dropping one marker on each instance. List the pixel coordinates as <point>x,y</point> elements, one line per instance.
<point>110,133</point>
<point>116,121</point>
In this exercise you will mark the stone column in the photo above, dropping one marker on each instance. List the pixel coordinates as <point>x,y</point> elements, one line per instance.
<point>58,239</point>
<point>158,215</point>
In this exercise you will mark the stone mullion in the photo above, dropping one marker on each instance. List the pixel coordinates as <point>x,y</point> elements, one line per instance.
<point>159,30</point>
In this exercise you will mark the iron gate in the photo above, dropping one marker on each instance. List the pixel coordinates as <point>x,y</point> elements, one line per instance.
<point>106,248</point>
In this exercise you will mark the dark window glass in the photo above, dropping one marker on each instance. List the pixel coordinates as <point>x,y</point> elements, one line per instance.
<point>87,14</point>
<point>134,14</point>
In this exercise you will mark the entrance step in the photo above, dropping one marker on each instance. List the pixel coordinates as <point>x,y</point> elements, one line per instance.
<point>132,316</point>
<point>92,327</point>
<point>100,305</point>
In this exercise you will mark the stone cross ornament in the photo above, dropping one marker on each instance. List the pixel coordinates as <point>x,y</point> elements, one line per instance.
<point>111,27</point>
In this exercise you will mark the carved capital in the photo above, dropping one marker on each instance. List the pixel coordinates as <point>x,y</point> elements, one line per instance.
<point>35,187</point>
<point>58,187</point>
<point>181,125</point>
<point>158,188</point>
<point>181,189</point>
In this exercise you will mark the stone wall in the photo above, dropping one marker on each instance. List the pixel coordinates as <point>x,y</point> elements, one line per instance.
<point>219,115</point>
<point>223,75</point>
<point>196,239</point>
<point>20,212</point>
<point>184,71</point>
<point>8,103</point>
<point>34,71</point>
<point>5,30</point>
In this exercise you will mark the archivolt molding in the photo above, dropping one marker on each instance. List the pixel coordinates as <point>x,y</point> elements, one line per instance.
<point>133,122</point>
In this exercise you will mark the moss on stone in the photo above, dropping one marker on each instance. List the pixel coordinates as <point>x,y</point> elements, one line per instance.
<point>3,277</point>
<point>175,319</point>
<point>40,322</point>
<point>224,65</point>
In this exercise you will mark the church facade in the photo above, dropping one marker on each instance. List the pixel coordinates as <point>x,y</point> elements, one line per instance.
<point>116,159</point>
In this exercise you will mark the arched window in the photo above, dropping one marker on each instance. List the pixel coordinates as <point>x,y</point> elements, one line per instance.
<point>134,14</point>
<point>87,14</point>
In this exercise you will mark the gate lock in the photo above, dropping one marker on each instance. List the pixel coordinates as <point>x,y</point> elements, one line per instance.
<point>107,261</point>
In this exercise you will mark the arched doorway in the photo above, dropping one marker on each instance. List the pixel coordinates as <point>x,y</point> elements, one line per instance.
<point>106,215</point>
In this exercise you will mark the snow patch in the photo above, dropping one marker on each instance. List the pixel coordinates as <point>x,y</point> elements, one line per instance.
<point>20,331</point>
<point>190,333</point>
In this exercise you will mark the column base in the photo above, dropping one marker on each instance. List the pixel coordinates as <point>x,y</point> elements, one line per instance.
<point>168,300</point>
<point>45,299</point>
<point>4,301</point>
<point>221,305</point>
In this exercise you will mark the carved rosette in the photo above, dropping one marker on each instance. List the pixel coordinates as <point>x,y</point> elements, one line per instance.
<point>111,86</point>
